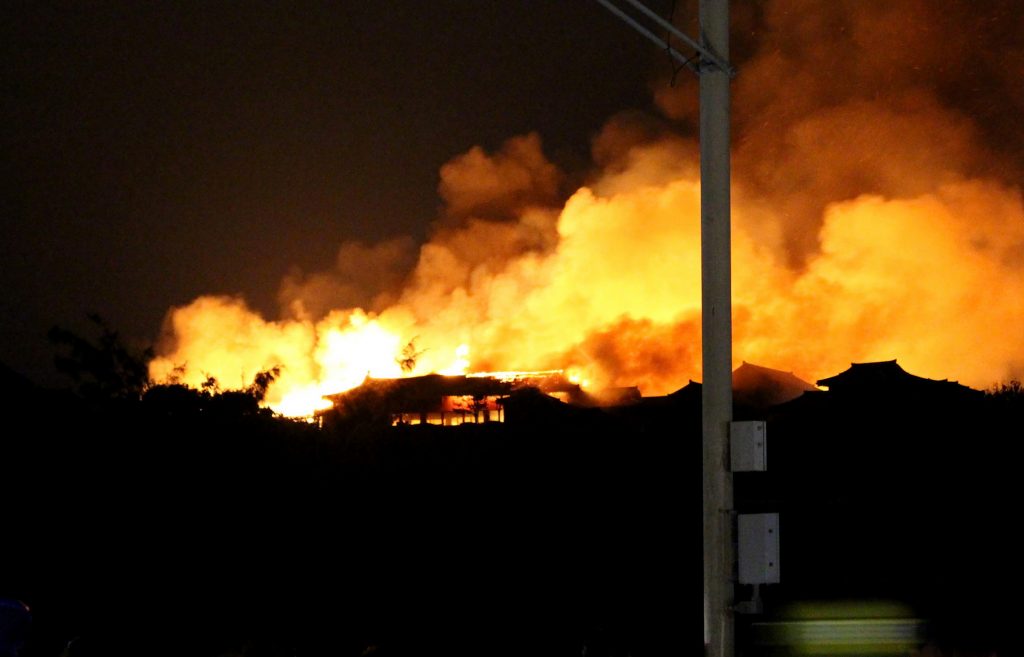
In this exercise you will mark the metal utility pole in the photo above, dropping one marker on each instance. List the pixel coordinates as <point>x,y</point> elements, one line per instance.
<point>716,298</point>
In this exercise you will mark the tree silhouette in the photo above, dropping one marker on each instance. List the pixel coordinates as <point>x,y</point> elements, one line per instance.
<point>258,389</point>
<point>103,368</point>
<point>410,355</point>
<point>176,399</point>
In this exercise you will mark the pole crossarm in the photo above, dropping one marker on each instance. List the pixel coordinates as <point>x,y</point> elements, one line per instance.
<point>706,55</point>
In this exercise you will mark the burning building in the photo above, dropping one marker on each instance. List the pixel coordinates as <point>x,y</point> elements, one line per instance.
<point>443,400</point>
<point>454,400</point>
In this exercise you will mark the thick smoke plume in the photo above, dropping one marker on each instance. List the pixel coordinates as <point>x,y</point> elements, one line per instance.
<point>877,215</point>
<point>853,97</point>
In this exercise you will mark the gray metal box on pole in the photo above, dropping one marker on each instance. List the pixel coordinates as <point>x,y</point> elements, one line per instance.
<point>758,548</point>
<point>748,446</point>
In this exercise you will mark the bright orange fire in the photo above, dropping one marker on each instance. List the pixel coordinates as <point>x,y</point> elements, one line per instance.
<point>617,302</point>
<point>859,234</point>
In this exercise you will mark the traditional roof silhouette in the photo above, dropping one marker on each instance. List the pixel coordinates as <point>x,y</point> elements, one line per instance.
<point>761,387</point>
<point>754,386</point>
<point>888,376</point>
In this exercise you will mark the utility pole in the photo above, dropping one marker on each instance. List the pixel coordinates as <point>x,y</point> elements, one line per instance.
<point>716,329</point>
<point>712,66</point>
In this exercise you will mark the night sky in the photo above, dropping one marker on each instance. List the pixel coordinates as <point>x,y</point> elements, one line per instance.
<point>153,152</point>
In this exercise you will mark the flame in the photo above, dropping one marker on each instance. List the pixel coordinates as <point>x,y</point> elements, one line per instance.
<point>302,401</point>
<point>576,376</point>
<point>350,353</point>
<point>461,363</point>
<point>857,236</point>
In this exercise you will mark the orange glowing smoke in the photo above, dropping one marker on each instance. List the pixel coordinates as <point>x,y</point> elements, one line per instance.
<point>869,224</point>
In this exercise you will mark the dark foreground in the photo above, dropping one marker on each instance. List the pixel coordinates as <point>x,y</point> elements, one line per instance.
<point>137,533</point>
<point>148,529</point>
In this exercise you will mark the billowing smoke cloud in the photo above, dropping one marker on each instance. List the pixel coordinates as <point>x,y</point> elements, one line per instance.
<point>852,97</point>
<point>519,176</point>
<point>877,215</point>
<point>364,276</point>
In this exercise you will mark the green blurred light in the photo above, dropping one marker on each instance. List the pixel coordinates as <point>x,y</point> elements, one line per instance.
<point>843,628</point>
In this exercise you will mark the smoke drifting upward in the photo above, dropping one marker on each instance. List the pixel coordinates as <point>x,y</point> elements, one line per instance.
<point>857,97</point>
<point>475,184</point>
<point>877,214</point>
<point>364,276</point>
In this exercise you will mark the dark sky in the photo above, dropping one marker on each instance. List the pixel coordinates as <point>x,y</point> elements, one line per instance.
<point>153,152</point>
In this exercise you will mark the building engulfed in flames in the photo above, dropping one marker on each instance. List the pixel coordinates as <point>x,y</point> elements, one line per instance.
<point>453,400</point>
